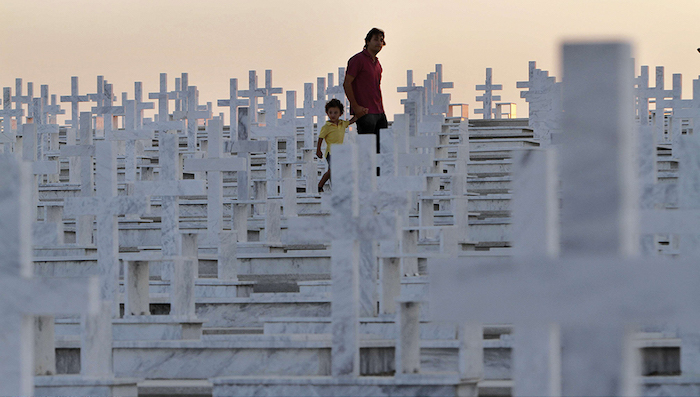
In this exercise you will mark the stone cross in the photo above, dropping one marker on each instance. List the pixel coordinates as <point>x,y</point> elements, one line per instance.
<point>106,205</point>
<point>192,114</point>
<point>643,93</point>
<point>43,129</point>
<point>593,291</point>
<point>337,91</point>
<point>9,129</point>
<point>39,167</point>
<point>23,297</point>
<point>133,136</point>
<point>658,94</point>
<point>48,128</point>
<point>414,102</point>
<point>269,98</point>
<point>351,221</point>
<point>163,97</point>
<point>275,129</point>
<point>74,98</point>
<point>243,149</point>
<point>52,110</point>
<point>380,203</point>
<point>488,98</point>
<point>544,102</point>
<point>215,164</point>
<point>439,100</point>
<point>253,93</point>
<point>82,155</point>
<point>103,99</point>
<point>308,116</point>
<point>320,105</point>
<point>180,94</point>
<point>108,111</point>
<point>233,103</point>
<point>140,105</point>
<point>20,99</point>
<point>170,187</point>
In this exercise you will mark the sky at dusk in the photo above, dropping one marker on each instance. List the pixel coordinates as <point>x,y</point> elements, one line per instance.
<point>48,41</point>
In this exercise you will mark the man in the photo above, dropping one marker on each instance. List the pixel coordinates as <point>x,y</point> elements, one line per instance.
<point>363,86</point>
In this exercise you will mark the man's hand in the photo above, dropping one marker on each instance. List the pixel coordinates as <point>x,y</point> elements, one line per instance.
<point>360,111</point>
<point>319,154</point>
<point>356,108</point>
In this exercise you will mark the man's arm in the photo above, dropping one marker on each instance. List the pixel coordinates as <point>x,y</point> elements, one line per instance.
<point>347,84</point>
<point>352,120</point>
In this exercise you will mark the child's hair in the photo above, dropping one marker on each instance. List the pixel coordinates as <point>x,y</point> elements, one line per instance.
<point>334,103</point>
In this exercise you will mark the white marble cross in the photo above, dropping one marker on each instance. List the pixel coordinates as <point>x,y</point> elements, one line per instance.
<point>320,103</point>
<point>307,112</point>
<point>215,164</point>
<point>439,100</point>
<point>9,130</point>
<point>22,297</point>
<point>596,288</point>
<point>488,98</point>
<point>269,90</point>
<point>643,93</point>
<point>140,105</point>
<point>658,95</point>
<point>243,148</point>
<point>49,109</point>
<point>192,114</point>
<point>351,221</point>
<point>74,98</point>
<point>414,104</point>
<point>133,136</point>
<point>180,94</point>
<point>20,99</point>
<point>39,167</point>
<point>82,155</point>
<point>102,98</point>
<point>170,187</point>
<point>253,93</point>
<point>273,130</point>
<point>106,205</point>
<point>233,103</point>
<point>337,91</point>
<point>163,97</point>
<point>544,103</point>
<point>380,202</point>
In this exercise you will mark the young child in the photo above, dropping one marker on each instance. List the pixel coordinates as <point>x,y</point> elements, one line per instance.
<point>333,132</point>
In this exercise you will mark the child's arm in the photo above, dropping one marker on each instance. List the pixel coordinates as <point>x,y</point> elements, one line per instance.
<point>319,154</point>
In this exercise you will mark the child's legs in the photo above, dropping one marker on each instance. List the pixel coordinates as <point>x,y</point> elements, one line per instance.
<point>324,178</point>
<point>327,175</point>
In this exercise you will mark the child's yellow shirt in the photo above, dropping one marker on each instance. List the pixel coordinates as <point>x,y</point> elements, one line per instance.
<point>333,134</point>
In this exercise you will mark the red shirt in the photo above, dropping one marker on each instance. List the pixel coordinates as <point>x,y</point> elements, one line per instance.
<point>367,83</point>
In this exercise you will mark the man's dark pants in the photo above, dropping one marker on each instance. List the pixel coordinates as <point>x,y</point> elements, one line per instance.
<point>371,124</point>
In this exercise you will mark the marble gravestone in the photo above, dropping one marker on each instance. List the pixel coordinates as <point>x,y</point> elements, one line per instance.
<point>354,219</point>
<point>169,188</point>
<point>215,164</point>
<point>23,296</point>
<point>544,103</point>
<point>488,98</point>
<point>106,205</point>
<point>233,103</point>
<point>595,291</point>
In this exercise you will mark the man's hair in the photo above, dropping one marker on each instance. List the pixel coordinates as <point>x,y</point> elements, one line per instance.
<point>372,33</point>
<point>334,103</point>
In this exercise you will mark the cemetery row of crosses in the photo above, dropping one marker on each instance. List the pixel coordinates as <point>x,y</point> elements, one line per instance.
<point>191,252</point>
